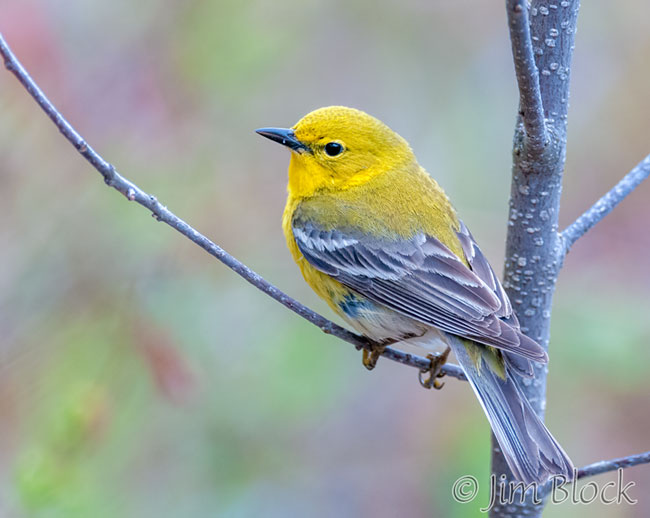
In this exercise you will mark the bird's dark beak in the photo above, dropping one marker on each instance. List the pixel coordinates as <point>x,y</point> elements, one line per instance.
<point>284,136</point>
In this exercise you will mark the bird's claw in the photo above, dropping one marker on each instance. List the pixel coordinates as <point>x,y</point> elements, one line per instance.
<point>434,371</point>
<point>370,357</point>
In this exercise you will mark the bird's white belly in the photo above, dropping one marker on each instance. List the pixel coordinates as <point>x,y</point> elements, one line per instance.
<point>380,323</point>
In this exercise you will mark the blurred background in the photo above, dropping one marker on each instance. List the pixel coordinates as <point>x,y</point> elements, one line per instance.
<point>141,378</point>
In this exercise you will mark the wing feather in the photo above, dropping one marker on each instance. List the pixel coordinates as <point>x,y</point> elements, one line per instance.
<point>422,278</point>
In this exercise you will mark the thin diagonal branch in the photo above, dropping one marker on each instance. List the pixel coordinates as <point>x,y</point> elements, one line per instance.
<point>605,205</point>
<point>612,465</point>
<point>531,108</point>
<point>161,213</point>
<point>603,466</point>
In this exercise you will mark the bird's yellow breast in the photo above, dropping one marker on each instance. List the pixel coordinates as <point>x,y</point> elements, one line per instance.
<point>327,288</point>
<point>391,205</point>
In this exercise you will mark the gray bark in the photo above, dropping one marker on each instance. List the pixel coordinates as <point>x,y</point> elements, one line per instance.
<point>533,245</point>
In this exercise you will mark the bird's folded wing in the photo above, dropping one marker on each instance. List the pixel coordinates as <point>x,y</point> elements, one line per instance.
<point>422,279</point>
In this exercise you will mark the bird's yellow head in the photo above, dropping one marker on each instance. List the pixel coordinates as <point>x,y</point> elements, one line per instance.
<point>336,148</point>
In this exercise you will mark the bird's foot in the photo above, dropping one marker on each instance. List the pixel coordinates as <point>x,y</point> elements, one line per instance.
<point>370,357</point>
<point>434,371</point>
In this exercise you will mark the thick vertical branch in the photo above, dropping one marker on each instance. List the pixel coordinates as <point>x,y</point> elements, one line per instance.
<point>533,244</point>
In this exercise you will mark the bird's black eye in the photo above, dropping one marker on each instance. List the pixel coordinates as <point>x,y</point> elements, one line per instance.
<point>333,149</point>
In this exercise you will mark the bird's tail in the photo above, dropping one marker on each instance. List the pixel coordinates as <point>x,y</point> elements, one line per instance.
<point>530,450</point>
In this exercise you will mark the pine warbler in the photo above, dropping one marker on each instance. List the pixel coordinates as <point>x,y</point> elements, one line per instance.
<point>377,238</point>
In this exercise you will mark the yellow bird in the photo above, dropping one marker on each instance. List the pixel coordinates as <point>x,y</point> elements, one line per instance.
<point>377,238</point>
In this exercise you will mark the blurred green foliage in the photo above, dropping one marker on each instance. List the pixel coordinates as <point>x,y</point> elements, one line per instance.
<point>141,378</point>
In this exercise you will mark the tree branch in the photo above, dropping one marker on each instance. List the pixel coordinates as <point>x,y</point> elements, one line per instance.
<point>161,213</point>
<point>531,260</point>
<point>604,466</point>
<point>531,109</point>
<point>604,205</point>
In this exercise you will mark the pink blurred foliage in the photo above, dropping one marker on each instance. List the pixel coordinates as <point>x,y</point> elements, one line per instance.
<point>169,367</point>
<point>121,79</point>
<point>30,34</point>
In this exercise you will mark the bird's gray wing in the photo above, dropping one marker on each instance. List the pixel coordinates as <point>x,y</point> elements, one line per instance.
<point>480,266</point>
<point>422,279</point>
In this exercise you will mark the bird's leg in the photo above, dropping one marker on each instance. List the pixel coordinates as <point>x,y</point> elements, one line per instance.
<point>371,356</point>
<point>434,371</point>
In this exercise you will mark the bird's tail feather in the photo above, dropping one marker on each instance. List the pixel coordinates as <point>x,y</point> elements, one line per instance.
<point>530,450</point>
